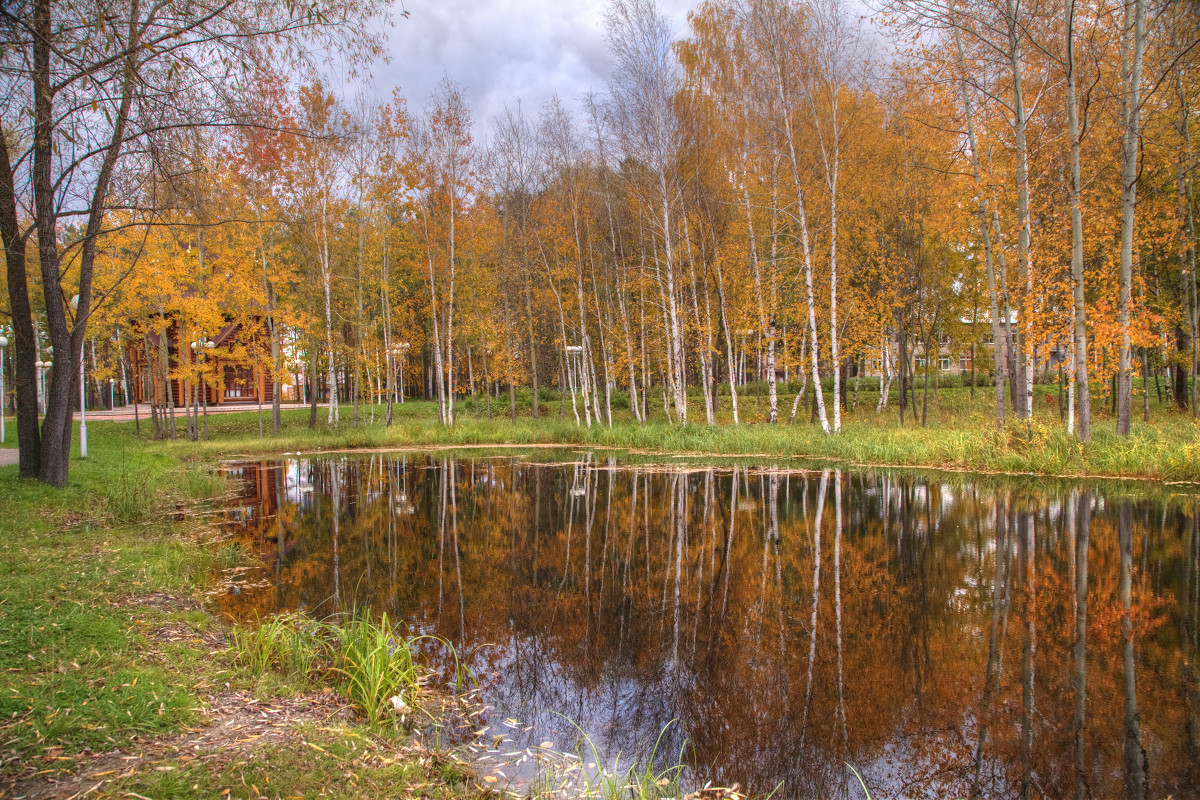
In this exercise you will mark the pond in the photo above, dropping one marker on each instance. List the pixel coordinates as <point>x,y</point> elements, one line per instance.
<point>945,635</point>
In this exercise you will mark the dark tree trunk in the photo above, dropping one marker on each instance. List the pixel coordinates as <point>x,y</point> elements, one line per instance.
<point>24,345</point>
<point>67,340</point>
<point>813,404</point>
<point>56,425</point>
<point>925,392</point>
<point>312,395</point>
<point>972,371</point>
<point>1146,385</point>
<point>1181,372</point>
<point>844,382</point>
<point>914,389</point>
<point>1062,408</point>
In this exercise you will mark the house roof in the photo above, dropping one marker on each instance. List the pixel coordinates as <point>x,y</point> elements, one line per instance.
<point>223,337</point>
<point>226,333</point>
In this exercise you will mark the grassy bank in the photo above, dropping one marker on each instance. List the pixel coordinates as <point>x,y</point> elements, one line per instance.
<point>115,681</point>
<point>959,434</point>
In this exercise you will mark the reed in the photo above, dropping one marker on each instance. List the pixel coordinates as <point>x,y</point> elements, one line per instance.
<point>648,779</point>
<point>373,668</point>
<point>292,644</point>
<point>378,671</point>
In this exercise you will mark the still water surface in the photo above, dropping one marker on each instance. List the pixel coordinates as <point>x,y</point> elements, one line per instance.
<point>947,637</point>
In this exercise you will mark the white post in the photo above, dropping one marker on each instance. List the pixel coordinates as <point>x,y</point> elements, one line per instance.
<point>3,396</point>
<point>42,367</point>
<point>82,412</point>
<point>82,386</point>
<point>39,365</point>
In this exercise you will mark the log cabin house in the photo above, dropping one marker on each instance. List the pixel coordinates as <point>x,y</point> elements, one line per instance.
<point>233,373</point>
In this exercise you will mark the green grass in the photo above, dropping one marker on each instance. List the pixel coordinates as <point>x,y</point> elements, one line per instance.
<point>92,575</point>
<point>373,666</point>
<point>75,669</point>
<point>318,761</point>
<point>379,673</point>
<point>289,644</point>
<point>960,434</point>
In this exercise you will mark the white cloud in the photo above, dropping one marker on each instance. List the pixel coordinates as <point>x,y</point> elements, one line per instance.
<point>500,51</point>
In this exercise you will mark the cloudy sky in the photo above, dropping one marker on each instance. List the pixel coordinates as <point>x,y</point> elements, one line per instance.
<point>502,50</point>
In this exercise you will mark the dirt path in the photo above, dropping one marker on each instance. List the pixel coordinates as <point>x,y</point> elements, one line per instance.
<point>237,724</point>
<point>235,732</point>
<point>8,456</point>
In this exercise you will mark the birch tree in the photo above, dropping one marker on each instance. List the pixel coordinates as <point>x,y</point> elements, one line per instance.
<point>82,111</point>
<point>645,79</point>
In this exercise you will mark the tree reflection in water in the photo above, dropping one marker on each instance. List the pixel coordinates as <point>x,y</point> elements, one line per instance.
<point>786,637</point>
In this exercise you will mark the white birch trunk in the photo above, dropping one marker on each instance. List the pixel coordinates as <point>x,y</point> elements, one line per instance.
<point>327,281</point>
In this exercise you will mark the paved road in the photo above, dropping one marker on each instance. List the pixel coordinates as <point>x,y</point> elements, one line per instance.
<point>8,456</point>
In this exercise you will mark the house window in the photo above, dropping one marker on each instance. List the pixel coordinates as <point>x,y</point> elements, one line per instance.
<point>944,363</point>
<point>963,363</point>
<point>920,362</point>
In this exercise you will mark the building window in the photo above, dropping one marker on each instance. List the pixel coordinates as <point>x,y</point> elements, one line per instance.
<point>944,363</point>
<point>963,363</point>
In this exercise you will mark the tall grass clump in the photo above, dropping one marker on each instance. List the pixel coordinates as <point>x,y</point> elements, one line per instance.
<point>292,644</point>
<point>378,671</point>
<point>137,494</point>
<point>201,482</point>
<point>130,497</point>
<point>233,554</point>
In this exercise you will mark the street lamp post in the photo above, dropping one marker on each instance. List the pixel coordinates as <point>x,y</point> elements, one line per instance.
<point>82,412</point>
<point>41,367</point>
<point>3,396</point>
<point>201,349</point>
<point>82,398</point>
